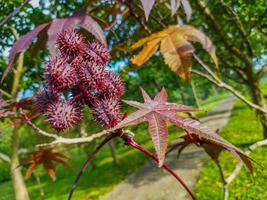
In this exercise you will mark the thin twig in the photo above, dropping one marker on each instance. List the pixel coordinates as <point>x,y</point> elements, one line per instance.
<point>4,157</point>
<point>174,146</point>
<point>16,11</point>
<point>262,71</point>
<point>87,162</point>
<point>41,132</point>
<point>217,81</point>
<point>206,76</point>
<point>5,93</point>
<point>62,140</point>
<point>220,170</point>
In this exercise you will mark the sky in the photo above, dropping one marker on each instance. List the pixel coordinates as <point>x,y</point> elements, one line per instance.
<point>34,3</point>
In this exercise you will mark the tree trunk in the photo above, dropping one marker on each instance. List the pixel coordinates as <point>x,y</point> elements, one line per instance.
<point>258,98</point>
<point>19,186</point>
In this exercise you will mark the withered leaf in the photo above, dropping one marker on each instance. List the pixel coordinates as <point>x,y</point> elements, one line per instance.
<point>45,157</point>
<point>174,44</point>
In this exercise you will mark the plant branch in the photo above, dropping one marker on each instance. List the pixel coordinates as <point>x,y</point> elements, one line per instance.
<point>4,157</point>
<point>5,93</point>
<point>217,81</point>
<point>90,157</point>
<point>19,69</point>
<point>220,170</point>
<point>238,167</point>
<point>14,32</point>
<point>206,76</point>
<point>16,175</point>
<point>262,72</point>
<point>62,140</point>
<point>173,147</point>
<point>207,68</point>
<point>16,11</point>
<point>130,142</point>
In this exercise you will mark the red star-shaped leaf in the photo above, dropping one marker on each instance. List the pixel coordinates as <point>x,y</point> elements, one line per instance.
<point>158,112</point>
<point>153,111</point>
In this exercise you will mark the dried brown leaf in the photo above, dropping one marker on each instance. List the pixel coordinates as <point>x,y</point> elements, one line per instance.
<point>45,157</point>
<point>175,46</point>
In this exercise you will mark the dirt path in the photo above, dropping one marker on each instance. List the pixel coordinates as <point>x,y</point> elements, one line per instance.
<point>152,183</point>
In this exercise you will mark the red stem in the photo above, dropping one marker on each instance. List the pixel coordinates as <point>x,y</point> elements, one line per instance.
<point>88,161</point>
<point>129,141</point>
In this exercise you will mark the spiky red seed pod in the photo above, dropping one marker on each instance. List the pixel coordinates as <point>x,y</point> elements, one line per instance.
<point>100,49</point>
<point>60,74</point>
<point>81,68</point>
<point>87,93</point>
<point>95,68</point>
<point>70,43</point>
<point>63,114</point>
<point>100,85</point>
<point>45,97</point>
<point>92,81</point>
<point>107,112</point>
<point>93,75</point>
<point>77,95</point>
<point>91,94</point>
<point>77,63</point>
<point>96,52</point>
<point>114,85</point>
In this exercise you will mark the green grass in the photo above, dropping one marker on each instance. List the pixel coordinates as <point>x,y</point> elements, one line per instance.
<point>242,130</point>
<point>95,183</point>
